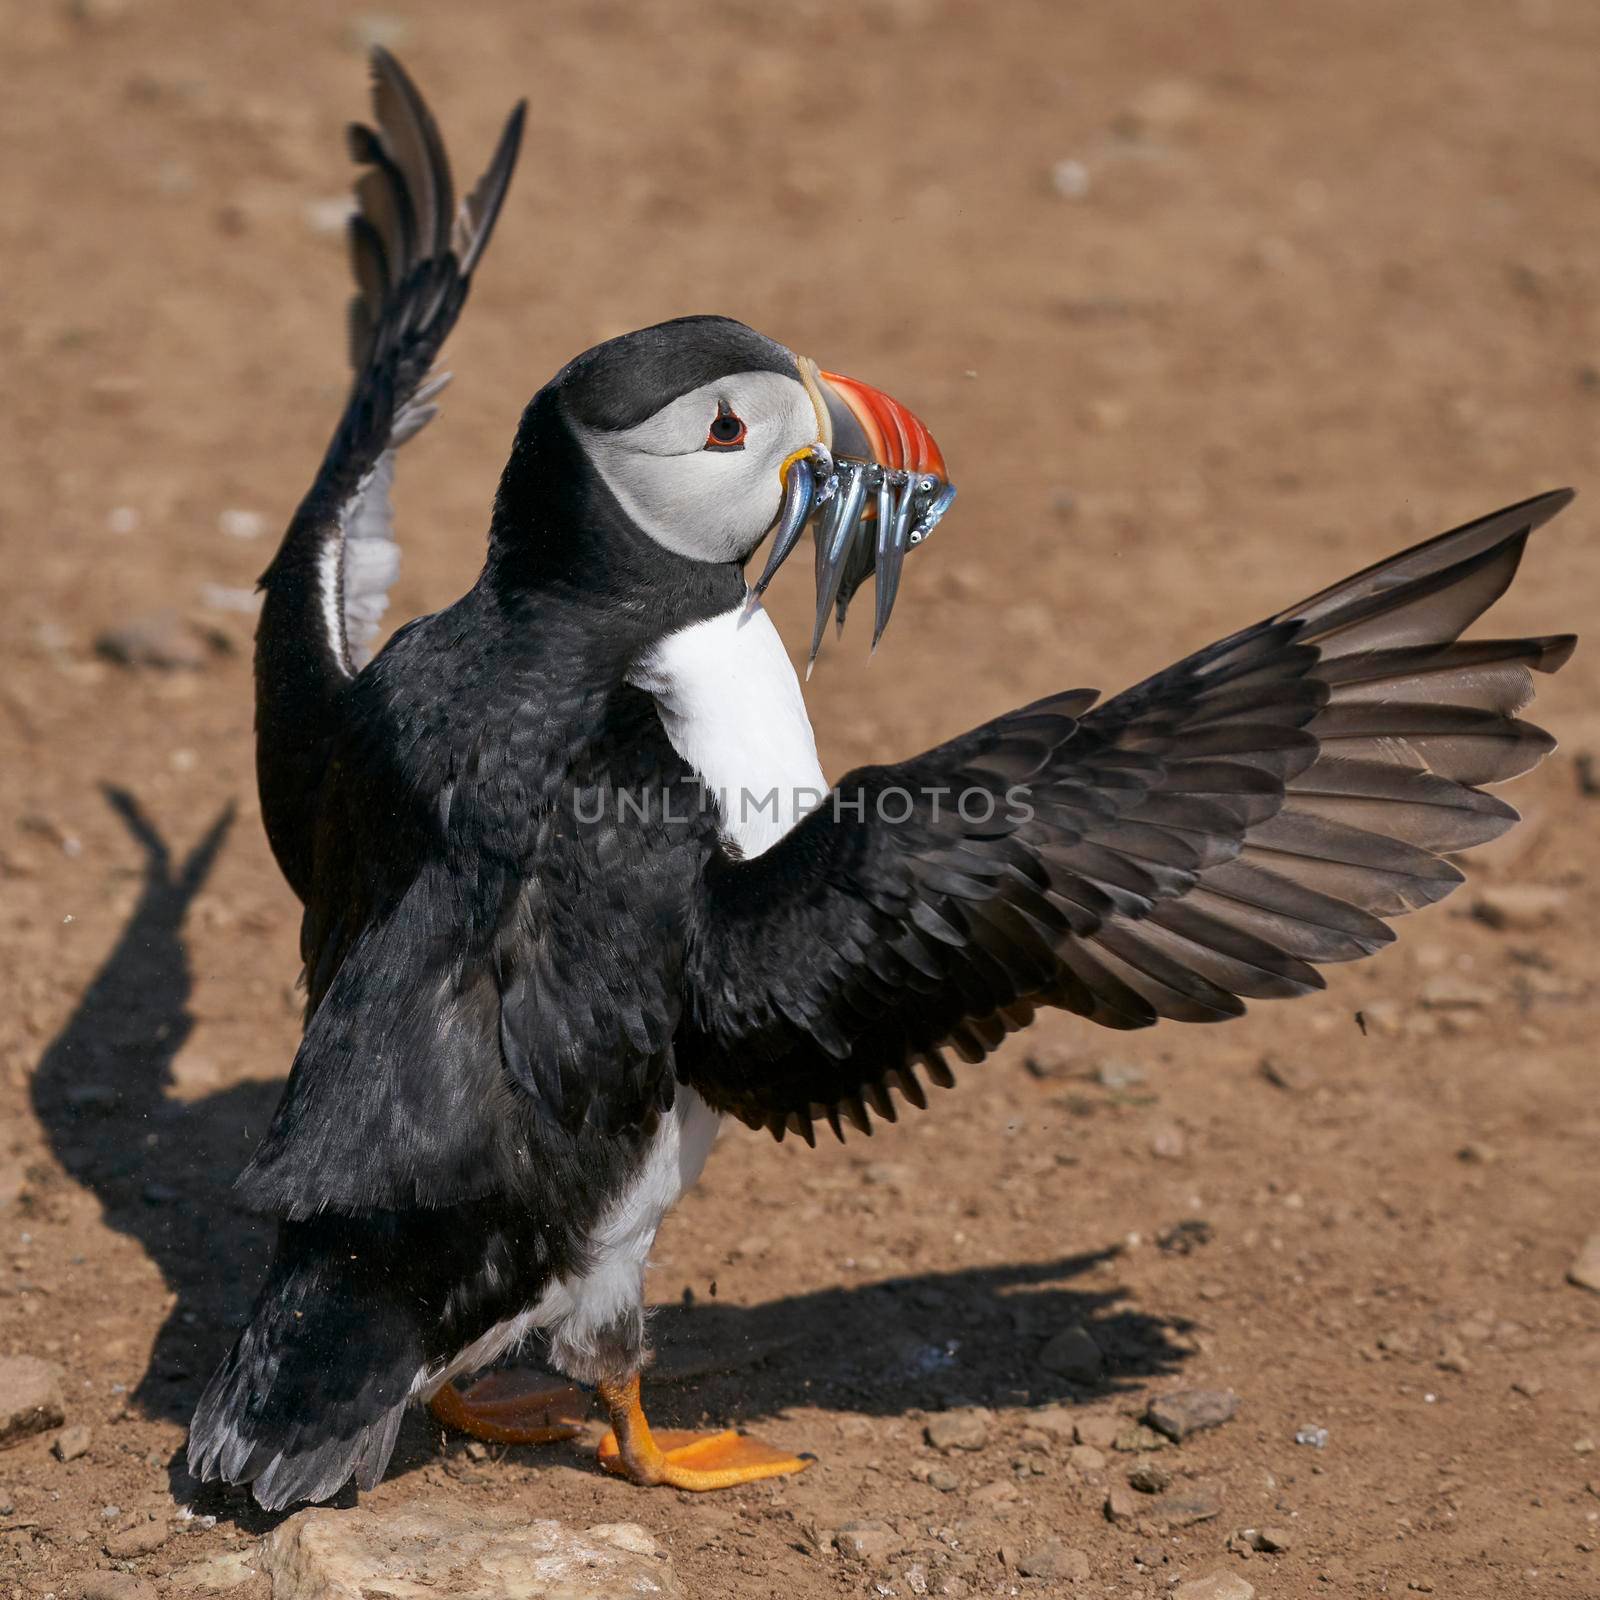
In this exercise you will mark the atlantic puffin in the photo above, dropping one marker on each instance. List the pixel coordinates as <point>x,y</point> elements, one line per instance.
<point>575,888</point>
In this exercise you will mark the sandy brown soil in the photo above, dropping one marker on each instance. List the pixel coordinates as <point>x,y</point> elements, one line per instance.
<point>1333,284</point>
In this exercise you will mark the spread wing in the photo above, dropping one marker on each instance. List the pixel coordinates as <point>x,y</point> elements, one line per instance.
<point>1213,835</point>
<point>413,251</point>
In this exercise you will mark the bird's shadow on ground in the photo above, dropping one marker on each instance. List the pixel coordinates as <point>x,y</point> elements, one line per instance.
<point>163,1170</point>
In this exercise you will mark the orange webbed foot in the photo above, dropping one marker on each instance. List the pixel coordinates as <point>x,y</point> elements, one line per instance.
<point>678,1459</point>
<point>512,1408</point>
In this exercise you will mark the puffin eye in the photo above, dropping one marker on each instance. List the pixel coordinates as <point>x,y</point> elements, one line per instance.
<point>727,430</point>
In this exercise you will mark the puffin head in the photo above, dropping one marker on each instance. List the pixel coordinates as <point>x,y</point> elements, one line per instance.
<point>710,436</point>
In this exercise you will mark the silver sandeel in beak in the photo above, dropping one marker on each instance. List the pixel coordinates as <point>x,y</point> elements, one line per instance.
<point>873,486</point>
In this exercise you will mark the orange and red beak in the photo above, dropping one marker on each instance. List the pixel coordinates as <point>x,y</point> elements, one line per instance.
<point>875,480</point>
<point>870,426</point>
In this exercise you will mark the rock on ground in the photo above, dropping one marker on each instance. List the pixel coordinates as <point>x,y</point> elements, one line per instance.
<point>1122,1505</point>
<point>1073,1355</point>
<point>1150,1477</point>
<point>867,1541</point>
<point>162,640</point>
<point>1585,1268</point>
<point>1519,908</point>
<point>113,1586</point>
<point>1052,1559</point>
<point>1270,1541</point>
<point>1215,1586</point>
<point>72,1442</point>
<point>484,1554</point>
<point>1097,1428</point>
<point>1187,1411</point>
<point>30,1398</point>
<point>1198,1502</point>
<point>958,1430</point>
<point>215,1575</point>
<point>140,1540</point>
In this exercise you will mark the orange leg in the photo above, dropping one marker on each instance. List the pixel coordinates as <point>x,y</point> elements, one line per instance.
<point>504,1411</point>
<point>679,1459</point>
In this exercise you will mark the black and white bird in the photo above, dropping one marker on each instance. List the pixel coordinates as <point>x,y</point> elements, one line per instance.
<point>563,913</point>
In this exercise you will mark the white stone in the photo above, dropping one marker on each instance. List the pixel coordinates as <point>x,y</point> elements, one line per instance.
<point>428,1548</point>
<point>215,1575</point>
<point>1585,1269</point>
<point>1215,1586</point>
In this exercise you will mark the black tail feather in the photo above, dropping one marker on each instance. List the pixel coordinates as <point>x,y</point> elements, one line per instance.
<point>313,1392</point>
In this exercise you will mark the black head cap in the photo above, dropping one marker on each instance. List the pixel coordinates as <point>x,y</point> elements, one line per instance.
<point>621,382</point>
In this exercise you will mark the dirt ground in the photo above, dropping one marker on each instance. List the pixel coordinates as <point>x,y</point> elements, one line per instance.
<point>1209,303</point>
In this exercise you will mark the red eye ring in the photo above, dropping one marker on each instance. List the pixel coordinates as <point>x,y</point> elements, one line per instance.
<point>727,431</point>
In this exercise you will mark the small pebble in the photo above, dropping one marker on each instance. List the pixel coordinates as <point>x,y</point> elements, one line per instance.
<point>1073,1355</point>
<point>329,216</point>
<point>1052,1559</point>
<point>1273,1541</point>
<point>1187,1411</point>
<point>1149,1477</point>
<point>1185,1237</point>
<point>1316,1438</point>
<point>1198,1502</point>
<point>1168,1143</point>
<point>1382,1017</point>
<point>1070,179</point>
<point>1584,1273</point>
<point>1291,1076</point>
<point>1098,1429</point>
<point>1118,1075</point>
<point>30,1397</point>
<point>72,1442</point>
<point>238,524</point>
<point>1138,1437</point>
<point>1215,1586</point>
<point>1122,1505</point>
<point>1519,908</point>
<point>139,1540</point>
<point>995,1493</point>
<point>867,1541</point>
<point>1453,994</point>
<point>159,639</point>
<point>113,1586</point>
<point>958,1430</point>
<point>1049,1061</point>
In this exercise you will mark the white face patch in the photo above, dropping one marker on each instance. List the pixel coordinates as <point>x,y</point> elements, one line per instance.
<point>708,505</point>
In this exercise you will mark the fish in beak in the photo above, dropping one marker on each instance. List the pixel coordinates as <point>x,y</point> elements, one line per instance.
<point>873,485</point>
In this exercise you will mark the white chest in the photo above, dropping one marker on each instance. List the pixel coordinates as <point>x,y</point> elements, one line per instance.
<point>731,705</point>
